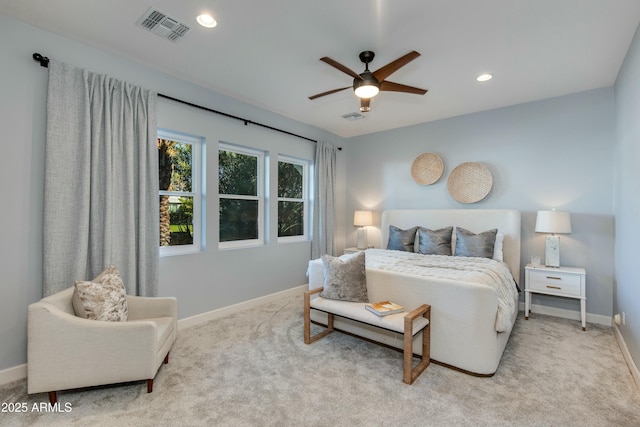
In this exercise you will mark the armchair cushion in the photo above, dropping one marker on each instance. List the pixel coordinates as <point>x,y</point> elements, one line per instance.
<point>103,298</point>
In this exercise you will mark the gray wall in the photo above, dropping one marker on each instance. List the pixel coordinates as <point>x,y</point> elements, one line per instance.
<point>627,198</point>
<point>201,282</point>
<point>551,153</point>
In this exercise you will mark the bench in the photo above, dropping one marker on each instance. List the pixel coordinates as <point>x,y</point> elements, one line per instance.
<point>407,324</point>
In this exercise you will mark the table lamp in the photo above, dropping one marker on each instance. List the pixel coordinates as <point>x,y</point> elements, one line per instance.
<point>554,222</point>
<point>362,219</point>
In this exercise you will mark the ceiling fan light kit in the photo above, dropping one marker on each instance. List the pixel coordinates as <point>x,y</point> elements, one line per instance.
<point>367,87</point>
<point>368,84</point>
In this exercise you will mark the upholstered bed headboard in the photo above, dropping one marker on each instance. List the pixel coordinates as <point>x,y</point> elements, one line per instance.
<point>507,221</point>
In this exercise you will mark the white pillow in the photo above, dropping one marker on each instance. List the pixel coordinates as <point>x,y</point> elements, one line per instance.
<point>497,247</point>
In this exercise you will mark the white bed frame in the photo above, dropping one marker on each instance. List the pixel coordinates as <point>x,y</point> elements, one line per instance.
<point>463,334</point>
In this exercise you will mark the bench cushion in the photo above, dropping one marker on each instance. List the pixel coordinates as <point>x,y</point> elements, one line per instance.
<point>357,311</point>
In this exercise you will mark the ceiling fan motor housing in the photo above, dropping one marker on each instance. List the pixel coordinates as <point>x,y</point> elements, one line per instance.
<point>366,80</point>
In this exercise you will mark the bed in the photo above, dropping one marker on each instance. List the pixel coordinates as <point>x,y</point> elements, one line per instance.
<point>470,324</point>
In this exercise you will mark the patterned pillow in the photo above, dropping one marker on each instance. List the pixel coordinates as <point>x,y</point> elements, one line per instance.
<point>103,298</point>
<point>434,242</point>
<point>345,279</point>
<point>401,240</point>
<point>476,245</point>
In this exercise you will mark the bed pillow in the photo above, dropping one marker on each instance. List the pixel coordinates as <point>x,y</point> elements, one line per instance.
<point>345,279</point>
<point>103,298</point>
<point>475,245</point>
<point>497,249</point>
<point>402,240</point>
<point>434,242</point>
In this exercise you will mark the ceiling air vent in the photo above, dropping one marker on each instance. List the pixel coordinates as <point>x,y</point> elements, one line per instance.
<point>160,24</point>
<point>353,116</point>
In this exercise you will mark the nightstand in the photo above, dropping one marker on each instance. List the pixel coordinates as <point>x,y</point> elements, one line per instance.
<point>568,282</point>
<point>352,250</point>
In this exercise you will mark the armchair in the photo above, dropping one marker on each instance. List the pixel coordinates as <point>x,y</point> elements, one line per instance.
<point>66,351</point>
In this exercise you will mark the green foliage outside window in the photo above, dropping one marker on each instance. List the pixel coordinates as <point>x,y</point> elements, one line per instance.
<point>290,199</point>
<point>175,176</point>
<point>238,190</point>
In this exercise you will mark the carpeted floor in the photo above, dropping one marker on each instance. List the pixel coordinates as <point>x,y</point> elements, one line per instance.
<point>253,369</point>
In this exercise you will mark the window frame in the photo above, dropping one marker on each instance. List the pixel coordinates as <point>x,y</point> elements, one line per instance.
<point>259,197</point>
<point>305,199</point>
<point>198,180</point>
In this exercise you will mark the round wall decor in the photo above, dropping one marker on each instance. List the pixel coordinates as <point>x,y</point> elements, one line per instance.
<point>427,168</point>
<point>470,182</point>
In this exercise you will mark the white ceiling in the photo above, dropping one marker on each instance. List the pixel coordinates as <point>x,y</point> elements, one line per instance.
<point>266,52</point>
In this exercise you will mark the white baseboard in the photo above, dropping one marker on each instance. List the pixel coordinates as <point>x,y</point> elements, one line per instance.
<point>568,314</point>
<point>19,372</point>
<point>198,319</point>
<point>627,356</point>
<point>14,373</point>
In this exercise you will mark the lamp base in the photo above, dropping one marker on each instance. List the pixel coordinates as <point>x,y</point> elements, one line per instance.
<point>362,238</point>
<point>552,251</point>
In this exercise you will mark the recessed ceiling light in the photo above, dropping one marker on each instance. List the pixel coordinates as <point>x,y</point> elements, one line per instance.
<point>206,20</point>
<point>484,77</point>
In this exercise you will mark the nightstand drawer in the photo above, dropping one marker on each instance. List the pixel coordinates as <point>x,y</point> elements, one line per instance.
<point>555,282</point>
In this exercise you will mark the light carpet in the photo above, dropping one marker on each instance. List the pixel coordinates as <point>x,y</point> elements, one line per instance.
<point>253,369</point>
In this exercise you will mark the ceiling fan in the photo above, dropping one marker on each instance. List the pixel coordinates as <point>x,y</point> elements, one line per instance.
<point>367,84</point>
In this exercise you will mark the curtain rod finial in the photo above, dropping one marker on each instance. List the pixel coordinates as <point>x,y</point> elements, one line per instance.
<point>43,60</point>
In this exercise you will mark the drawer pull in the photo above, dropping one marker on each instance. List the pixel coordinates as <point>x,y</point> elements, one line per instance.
<point>553,287</point>
<point>554,278</point>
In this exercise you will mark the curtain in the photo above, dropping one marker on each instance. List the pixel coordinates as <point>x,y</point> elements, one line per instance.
<point>323,205</point>
<point>101,181</point>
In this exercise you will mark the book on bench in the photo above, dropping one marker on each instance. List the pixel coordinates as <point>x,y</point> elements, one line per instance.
<point>384,308</point>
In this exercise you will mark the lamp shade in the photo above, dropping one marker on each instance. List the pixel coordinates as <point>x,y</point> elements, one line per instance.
<point>557,222</point>
<point>362,218</point>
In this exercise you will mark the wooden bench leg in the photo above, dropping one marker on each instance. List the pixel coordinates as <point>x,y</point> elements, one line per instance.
<point>308,339</point>
<point>409,372</point>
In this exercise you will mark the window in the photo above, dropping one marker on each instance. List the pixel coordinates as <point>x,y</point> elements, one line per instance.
<point>240,188</point>
<point>292,199</point>
<point>181,192</point>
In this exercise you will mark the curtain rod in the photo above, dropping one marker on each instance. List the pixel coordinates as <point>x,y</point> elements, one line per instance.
<point>44,62</point>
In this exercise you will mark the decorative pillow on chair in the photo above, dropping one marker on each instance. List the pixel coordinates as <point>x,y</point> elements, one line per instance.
<point>345,280</point>
<point>476,245</point>
<point>401,240</point>
<point>434,242</point>
<point>103,298</point>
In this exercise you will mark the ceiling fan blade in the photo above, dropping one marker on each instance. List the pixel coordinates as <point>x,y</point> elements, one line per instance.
<point>329,92</point>
<point>394,66</point>
<point>365,105</point>
<point>340,67</point>
<point>397,87</point>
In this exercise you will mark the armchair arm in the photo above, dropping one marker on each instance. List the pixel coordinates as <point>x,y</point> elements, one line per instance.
<point>149,307</point>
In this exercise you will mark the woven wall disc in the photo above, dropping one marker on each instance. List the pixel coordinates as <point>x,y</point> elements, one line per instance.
<point>470,182</point>
<point>427,168</point>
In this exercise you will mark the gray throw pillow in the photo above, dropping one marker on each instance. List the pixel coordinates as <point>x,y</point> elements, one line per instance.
<point>401,240</point>
<point>434,242</point>
<point>345,280</point>
<point>476,245</point>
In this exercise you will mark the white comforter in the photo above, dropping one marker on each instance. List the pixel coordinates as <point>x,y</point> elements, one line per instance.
<point>481,271</point>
